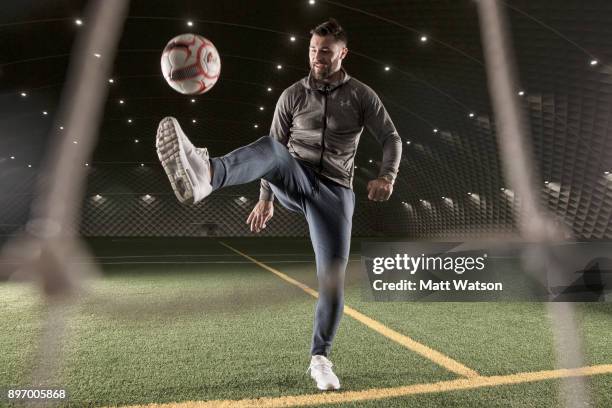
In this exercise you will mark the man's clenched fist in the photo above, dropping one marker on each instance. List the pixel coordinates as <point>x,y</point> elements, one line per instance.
<point>379,189</point>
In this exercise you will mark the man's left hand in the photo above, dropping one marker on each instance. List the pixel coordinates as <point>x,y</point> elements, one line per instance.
<point>379,189</point>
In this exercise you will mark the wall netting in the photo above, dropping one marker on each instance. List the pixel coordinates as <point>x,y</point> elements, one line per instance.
<point>136,200</point>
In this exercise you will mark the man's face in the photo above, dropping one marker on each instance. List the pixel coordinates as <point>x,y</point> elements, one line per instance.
<point>326,55</point>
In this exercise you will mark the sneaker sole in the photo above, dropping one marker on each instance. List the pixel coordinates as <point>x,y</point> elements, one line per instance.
<point>171,155</point>
<point>331,388</point>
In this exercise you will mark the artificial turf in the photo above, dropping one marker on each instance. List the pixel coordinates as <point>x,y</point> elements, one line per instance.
<point>158,327</point>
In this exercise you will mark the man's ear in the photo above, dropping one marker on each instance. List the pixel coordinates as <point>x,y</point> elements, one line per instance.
<point>343,53</point>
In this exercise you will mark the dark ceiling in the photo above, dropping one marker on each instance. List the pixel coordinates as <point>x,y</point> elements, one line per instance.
<point>429,89</point>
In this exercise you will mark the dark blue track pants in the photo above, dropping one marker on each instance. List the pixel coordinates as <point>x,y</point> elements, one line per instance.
<point>327,206</point>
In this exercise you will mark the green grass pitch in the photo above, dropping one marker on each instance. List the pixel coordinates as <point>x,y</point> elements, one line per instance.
<point>178,320</point>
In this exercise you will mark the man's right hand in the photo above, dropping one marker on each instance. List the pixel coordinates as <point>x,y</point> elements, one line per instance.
<point>260,215</point>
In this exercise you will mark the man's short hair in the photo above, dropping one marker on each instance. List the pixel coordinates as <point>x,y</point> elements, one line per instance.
<point>331,27</point>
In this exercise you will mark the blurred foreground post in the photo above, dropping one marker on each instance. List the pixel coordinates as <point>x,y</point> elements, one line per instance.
<point>535,225</point>
<point>49,247</point>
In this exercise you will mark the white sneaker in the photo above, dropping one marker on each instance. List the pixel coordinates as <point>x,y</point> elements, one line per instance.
<point>187,167</point>
<point>321,372</point>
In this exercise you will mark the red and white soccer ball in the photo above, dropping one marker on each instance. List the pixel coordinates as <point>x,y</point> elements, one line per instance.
<point>191,64</point>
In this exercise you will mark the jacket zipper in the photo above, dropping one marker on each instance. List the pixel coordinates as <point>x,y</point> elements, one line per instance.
<point>325,93</point>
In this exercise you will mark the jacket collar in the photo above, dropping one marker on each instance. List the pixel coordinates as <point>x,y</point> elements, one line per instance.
<point>310,83</point>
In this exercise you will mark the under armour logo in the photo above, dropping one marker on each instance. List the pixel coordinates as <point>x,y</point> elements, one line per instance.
<point>345,103</point>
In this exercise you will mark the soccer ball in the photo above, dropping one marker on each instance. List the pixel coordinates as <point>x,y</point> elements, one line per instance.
<point>191,64</point>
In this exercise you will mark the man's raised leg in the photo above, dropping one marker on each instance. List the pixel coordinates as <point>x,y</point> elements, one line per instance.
<point>194,176</point>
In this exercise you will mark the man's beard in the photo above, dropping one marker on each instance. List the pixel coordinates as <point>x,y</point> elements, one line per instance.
<point>321,74</point>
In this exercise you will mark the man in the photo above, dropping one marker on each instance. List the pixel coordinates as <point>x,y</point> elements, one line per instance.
<point>307,164</point>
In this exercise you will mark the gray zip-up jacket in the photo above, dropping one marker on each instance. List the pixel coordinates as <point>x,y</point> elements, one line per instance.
<point>321,124</point>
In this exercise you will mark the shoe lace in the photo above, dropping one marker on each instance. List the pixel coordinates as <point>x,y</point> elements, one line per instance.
<point>323,366</point>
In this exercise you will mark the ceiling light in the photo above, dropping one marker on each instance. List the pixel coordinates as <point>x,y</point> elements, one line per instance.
<point>269,89</point>
<point>502,189</point>
<point>256,126</point>
<point>193,121</point>
<point>311,1</point>
<point>78,22</point>
<point>141,164</point>
<point>45,113</point>
<point>98,196</point>
<point>594,62</point>
<point>61,128</point>
<point>279,66</point>
<point>370,161</point>
<point>292,38</point>
<point>423,38</point>
<point>261,108</point>
<point>190,23</point>
<point>24,94</point>
<point>606,172</point>
<point>121,101</point>
<point>29,165</point>
<point>546,182</point>
<point>86,164</point>
<point>435,130</point>
<point>129,120</point>
<point>471,115</point>
<point>193,101</point>
<point>74,142</point>
<point>387,68</point>
<point>135,140</point>
<point>407,142</point>
<point>521,93</point>
<point>12,157</point>
<point>97,55</point>
<point>111,80</point>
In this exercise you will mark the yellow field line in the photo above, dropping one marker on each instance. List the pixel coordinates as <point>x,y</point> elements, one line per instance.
<point>427,352</point>
<point>394,392</point>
